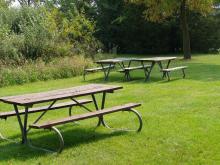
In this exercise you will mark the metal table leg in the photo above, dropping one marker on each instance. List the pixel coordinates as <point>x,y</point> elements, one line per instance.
<point>102,107</point>
<point>160,64</point>
<point>151,67</point>
<point>103,71</point>
<point>168,64</point>
<point>101,120</point>
<point>25,125</point>
<point>146,72</point>
<point>20,124</point>
<point>70,111</point>
<point>106,71</point>
<point>161,68</point>
<point>127,75</point>
<point>184,75</point>
<point>96,107</point>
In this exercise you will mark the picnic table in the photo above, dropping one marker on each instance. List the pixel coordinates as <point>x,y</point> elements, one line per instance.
<point>147,68</point>
<point>52,97</point>
<point>112,62</point>
<point>153,61</point>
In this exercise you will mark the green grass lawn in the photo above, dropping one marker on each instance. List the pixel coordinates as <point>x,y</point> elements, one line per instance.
<point>181,121</point>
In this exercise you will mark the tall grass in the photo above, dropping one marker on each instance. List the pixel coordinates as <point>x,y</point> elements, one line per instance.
<point>41,71</point>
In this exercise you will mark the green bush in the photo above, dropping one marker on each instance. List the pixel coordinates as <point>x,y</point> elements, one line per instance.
<point>38,32</point>
<point>11,47</point>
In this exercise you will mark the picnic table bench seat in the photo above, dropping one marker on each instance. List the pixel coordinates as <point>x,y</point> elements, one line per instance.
<point>127,70</point>
<point>5,115</point>
<point>133,68</point>
<point>168,70</point>
<point>92,70</point>
<point>85,116</point>
<point>99,113</point>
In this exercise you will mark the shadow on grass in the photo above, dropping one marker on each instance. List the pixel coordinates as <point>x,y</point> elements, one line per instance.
<point>203,72</point>
<point>171,80</point>
<point>73,137</point>
<point>118,78</point>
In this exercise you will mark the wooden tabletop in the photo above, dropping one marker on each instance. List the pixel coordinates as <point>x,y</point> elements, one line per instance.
<point>155,59</point>
<point>151,59</point>
<point>114,60</point>
<point>34,98</point>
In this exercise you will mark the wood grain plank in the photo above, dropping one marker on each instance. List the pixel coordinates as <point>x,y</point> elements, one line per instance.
<point>34,98</point>
<point>85,116</point>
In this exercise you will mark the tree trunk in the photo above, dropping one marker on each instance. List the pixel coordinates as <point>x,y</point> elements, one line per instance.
<point>29,2</point>
<point>185,30</point>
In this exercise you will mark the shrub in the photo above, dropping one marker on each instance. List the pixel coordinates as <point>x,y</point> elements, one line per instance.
<point>37,32</point>
<point>11,46</point>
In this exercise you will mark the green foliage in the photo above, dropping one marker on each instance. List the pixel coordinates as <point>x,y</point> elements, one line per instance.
<point>123,24</point>
<point>80,32</point>
<point>59,28</point>
<point>162,9</point>
<point>40,32</point>
<point>11,47</point>
<point>205,32</point>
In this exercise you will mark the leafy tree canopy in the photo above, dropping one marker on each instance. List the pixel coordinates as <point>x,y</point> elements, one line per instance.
<point>158,10</point>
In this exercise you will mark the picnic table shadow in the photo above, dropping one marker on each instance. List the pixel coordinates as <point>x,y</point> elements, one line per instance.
<point>117,78</point>
<point>73,137</point>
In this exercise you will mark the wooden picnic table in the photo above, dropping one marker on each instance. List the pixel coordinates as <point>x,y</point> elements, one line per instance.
<point>153,61</point>
<point>112,62</point>
<point>121,62</point>
<point>28,100</point>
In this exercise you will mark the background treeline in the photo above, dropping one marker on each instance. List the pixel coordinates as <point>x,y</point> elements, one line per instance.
<point>57,28</point>
<point>44,41</point>
<point>53,39</point>
<point>44,32</point>
<point>122,24</point>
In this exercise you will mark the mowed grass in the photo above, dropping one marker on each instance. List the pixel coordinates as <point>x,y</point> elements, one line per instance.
<point>181,121</point>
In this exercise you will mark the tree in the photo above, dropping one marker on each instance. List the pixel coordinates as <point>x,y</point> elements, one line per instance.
<point>106,14</point>
<point>122,25</point>
<point>160,10</point>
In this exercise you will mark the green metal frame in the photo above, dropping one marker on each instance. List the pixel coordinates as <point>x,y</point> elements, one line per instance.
<point>100,122</point>
<point>61,140</point>
<point>70,113</point>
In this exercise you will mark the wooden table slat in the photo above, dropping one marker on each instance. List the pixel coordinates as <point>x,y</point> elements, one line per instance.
<point>155,59</point>
<point>149,59</point>
<point>114,60</point>
<point>41,97</point>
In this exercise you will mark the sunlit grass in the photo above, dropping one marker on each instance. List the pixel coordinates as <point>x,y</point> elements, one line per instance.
<point>181,121</point>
